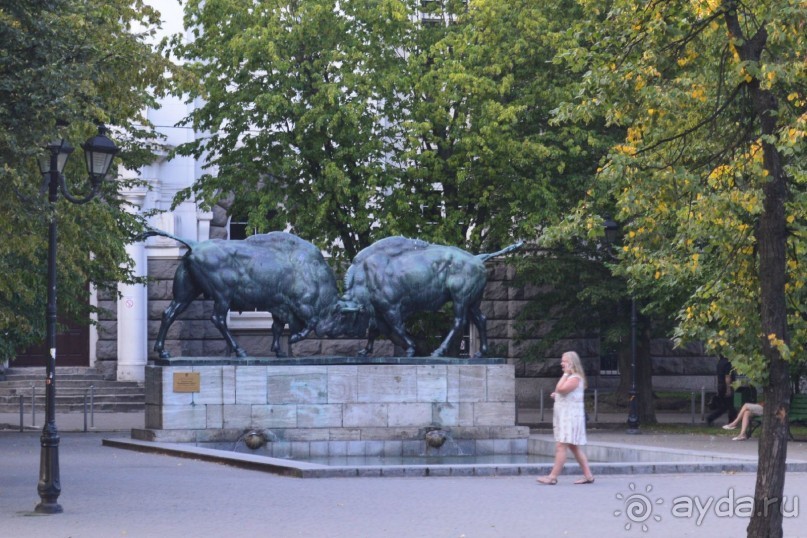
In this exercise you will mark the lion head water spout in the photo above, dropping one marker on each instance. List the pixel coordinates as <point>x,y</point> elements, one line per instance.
<point>436,438</point>
<point>254,439</point>
<point>439,442</point>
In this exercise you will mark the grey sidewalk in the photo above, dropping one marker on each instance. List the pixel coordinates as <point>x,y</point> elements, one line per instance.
<point>110,492</point>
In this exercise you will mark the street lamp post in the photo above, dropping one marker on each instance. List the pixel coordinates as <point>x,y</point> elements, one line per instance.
<point>99,152</point>
<point>611,231</point>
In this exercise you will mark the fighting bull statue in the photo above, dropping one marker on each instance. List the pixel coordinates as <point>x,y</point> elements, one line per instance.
<point>276,272</point>
<point>397,277</point>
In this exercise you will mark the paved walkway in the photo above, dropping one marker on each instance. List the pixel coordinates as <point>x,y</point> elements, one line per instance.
<point>109,492</point>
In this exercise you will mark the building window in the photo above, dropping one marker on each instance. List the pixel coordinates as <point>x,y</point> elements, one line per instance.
<point>609,362</point>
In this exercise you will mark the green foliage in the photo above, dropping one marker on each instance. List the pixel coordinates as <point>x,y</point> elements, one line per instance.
<point>352,121</point>
<point>689,179</point>
<point>73,63</point>
<point>368,119</point>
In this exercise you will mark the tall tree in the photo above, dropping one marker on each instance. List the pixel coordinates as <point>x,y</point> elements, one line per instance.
<point>73,63</point>
<point>710,181</point>
<point>349,121</point>
<point>300,100</point>
<point>352,120</point>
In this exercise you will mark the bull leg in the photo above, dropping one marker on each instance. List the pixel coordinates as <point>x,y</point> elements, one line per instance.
<point>459,325</point>
<point>301,328</point>
<point>184,292</point>
<point>298,331</point>
<point>299,335</point>
<point>169,315</point>
<point>480,321</point>
<point>372,334</point>
<point>219,319</point>
<point>277,332</point>
<point>396,327</point>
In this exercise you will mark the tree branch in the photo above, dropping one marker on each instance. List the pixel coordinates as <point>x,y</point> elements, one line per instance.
<point>698,125</point>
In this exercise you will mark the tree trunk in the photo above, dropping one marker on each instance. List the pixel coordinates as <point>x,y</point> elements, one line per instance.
<point>771,236</point>
<point>644,376</point>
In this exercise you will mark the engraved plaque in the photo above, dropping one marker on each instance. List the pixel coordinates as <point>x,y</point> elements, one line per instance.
<point>186,382</point>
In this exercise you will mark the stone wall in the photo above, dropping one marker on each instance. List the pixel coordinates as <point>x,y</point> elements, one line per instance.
<point>329,406</point>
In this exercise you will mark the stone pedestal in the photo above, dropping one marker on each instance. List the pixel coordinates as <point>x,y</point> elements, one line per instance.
<point>326,406</point>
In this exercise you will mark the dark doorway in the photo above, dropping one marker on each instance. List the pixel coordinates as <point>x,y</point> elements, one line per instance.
<point>72,349</point>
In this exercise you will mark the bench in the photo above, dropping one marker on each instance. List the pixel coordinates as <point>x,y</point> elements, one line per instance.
<point>798,411</point>
<point>798,415</point>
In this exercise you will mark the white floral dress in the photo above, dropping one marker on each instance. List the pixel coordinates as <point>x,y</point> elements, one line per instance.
<point>569,416</point>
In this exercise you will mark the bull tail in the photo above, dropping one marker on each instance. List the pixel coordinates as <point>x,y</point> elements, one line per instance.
<point>511,248</point>
<point>151,232</point>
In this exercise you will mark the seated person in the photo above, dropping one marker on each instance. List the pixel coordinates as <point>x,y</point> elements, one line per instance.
<point>747,411</point>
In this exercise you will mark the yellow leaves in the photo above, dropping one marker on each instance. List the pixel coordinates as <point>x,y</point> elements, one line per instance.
<point>704,8</point>
<point>721,176</point>
<point>780,345</point>
<point>635,134</point>
<point>685,60</point>
<point>694,263</point>
<point>625,149</point>
<point>794,135</point>
<point>698,93</point>
<point>797,99</point>
<point>657,275</point>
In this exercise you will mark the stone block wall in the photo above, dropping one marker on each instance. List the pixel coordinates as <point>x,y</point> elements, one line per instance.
<point>377,407</point>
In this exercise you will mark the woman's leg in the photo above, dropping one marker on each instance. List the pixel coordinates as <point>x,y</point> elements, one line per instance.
<point>746,421</point>
<point>582,460</point>
<point>560,461</point>
<point>742,413</point>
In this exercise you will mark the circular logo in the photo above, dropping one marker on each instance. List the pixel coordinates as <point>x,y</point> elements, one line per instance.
<point>638,507</point>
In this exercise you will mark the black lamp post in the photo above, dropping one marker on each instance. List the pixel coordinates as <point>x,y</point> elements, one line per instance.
<point>99,152</point>
<point>611,232</point>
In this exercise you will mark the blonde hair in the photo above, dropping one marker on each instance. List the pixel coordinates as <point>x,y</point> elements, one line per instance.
<point>577,365</point>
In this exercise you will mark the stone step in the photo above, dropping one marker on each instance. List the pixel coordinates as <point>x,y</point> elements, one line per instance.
<point>61,384</point>
<point>74,387</point>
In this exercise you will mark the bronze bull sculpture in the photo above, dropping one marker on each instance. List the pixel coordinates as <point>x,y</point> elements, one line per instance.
<point>396,277</point>
<point>276,272</point>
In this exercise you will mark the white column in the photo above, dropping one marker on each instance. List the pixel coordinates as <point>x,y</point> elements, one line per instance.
<point>203,219</point>
<point>133,307</point>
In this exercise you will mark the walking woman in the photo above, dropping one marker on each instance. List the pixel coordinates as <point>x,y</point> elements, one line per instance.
<point>569,420</point>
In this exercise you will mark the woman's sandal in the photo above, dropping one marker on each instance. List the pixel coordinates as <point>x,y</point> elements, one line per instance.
<point>547,481</point>
<point>585,480</point>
